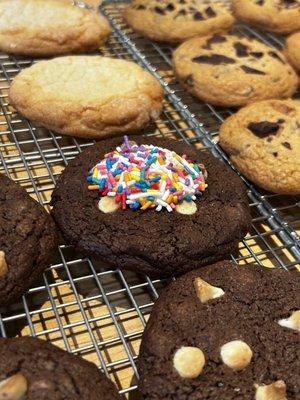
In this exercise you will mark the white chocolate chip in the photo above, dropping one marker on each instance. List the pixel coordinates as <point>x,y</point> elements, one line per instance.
<point>274,391</point>
<point>189,362</point>
<point>236,354</point>
<point>108,204</point>
<point>3,264</point>
<point>186,207</point>
<point>13,388</point>
<point>293,322</point>
<point>205,291</point>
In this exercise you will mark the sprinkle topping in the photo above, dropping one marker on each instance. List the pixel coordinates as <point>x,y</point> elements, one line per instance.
<point>147,176</point>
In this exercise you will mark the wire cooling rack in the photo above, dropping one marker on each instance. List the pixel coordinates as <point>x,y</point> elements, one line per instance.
<point>79,304</point>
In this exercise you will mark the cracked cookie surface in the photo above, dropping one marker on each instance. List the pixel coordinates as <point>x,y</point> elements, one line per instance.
<point>282,16</point>
<point>27,240</point>
<point>39,370</point>
<point>233,345</point>
<point>175,21</point>
<point>87,96</point>
<point>156,243</point>
<point>44,28</point>
<point>263,142</point>
<point>228,70</point>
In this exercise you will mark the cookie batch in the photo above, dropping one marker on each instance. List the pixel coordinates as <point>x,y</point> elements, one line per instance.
<point>158,206</point>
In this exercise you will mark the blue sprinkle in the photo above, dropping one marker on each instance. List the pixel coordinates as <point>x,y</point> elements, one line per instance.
<point>89,178</point>
<point>118,171</point>
<point>151,198</point>
<point>102,183</point>
<point>173,190</point>
<point>188,198</point>
<point>155,179</point>
<point>120,189</point>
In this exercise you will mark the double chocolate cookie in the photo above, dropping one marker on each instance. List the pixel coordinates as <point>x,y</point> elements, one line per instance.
<point>263,141</point>
<point>228,70</point>
<point>27,241</point>
<point>149,209</point>
<point>177,20</point>
<point>32,369</point>
<point>224,332</point>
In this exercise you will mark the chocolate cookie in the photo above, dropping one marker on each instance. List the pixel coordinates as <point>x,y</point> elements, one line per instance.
<point>263,141</point>
<point>281,16</point>
<point>177,20</point>
<point>158,224</point>
<point>33,369</point>
<point>224,332</point>
<point>27,241</point>
<point>292,50</point>
<point>228,70</point>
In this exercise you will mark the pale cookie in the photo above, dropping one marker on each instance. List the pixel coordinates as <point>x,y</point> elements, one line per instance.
<point>292,50</point>
<point>177,20</point>
<point>87,96</point>
<point>281,16</point>
<point>228,70</point>
<point>263,142</point>
<point>44,28</point>
<point>230,347</point>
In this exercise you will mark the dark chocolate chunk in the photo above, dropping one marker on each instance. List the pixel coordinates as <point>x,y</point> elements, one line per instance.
<point>287,145</point>
<point>141,7</point>
<point>210,12</point>
<point>260,2</point>
<point>280,121</point>
<point>181,1</point>
<point>181,12</point>
<point>170,7</point>
<point>214,39</point>
<point>241,49</point>
<point>276,56</point>
<point>256,54</point>
<point>214,59</point>
<point>250,70</point>
<point>159,10</point>
<point>263,129</point>
<point>275,154</point>
<point>198,16</point>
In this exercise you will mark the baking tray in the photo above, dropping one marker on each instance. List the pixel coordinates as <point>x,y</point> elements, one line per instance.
<point>80,305</point>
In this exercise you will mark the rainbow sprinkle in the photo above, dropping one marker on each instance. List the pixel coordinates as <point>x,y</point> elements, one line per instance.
<point>146,176</point>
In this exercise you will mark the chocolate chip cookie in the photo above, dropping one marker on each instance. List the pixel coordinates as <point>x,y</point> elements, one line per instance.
<point>281,16</point>
<point>177,20</point>
<point>33,369</point>
<point>233,71</point>
<point>224,332</point>
<point>292,50</point>
<point>27,241</point>
<point>157,206</point>
<point>263,141</point>
<point>87,96</point>
<point>52,27</point>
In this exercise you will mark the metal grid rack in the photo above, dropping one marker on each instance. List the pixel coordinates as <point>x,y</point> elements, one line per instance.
<point>78,304</point>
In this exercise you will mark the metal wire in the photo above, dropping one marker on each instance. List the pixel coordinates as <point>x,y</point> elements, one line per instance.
<point>79,304</point>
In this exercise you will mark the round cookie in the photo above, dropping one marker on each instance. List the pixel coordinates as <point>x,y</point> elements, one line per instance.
<point>292,50</point>
<point>263,141</point>
<point>282,16</point>
<point>233,71</point>
<point>33,369</point>
<point>224,332</point>
<point>87,96</point>
<point>27,240</point>
<point>177,20</point>
<point>158,243</point>
<point>44,28</point>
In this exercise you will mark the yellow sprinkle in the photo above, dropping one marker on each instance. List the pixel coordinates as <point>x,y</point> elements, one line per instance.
<point>127,177</point>
<point>170,199</point>
<point>175,177</point>
<point>175,199</point>
<point>178,185</point>
<point>93,187</point>
<point>135,169</point>
<point>146,205</point>
<point>164,177</point>
<point>160,160</point>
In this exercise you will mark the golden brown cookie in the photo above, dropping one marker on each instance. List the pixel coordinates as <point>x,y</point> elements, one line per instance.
<point>263,141</point>
<point>281,16</point>
<point>292,50</point>
<point>177,20</point>
<point>42,28</point>
<point>87,96</point>
<point>228,70</point>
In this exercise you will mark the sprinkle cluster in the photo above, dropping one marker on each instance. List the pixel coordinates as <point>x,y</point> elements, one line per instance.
<point>146,176</point>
